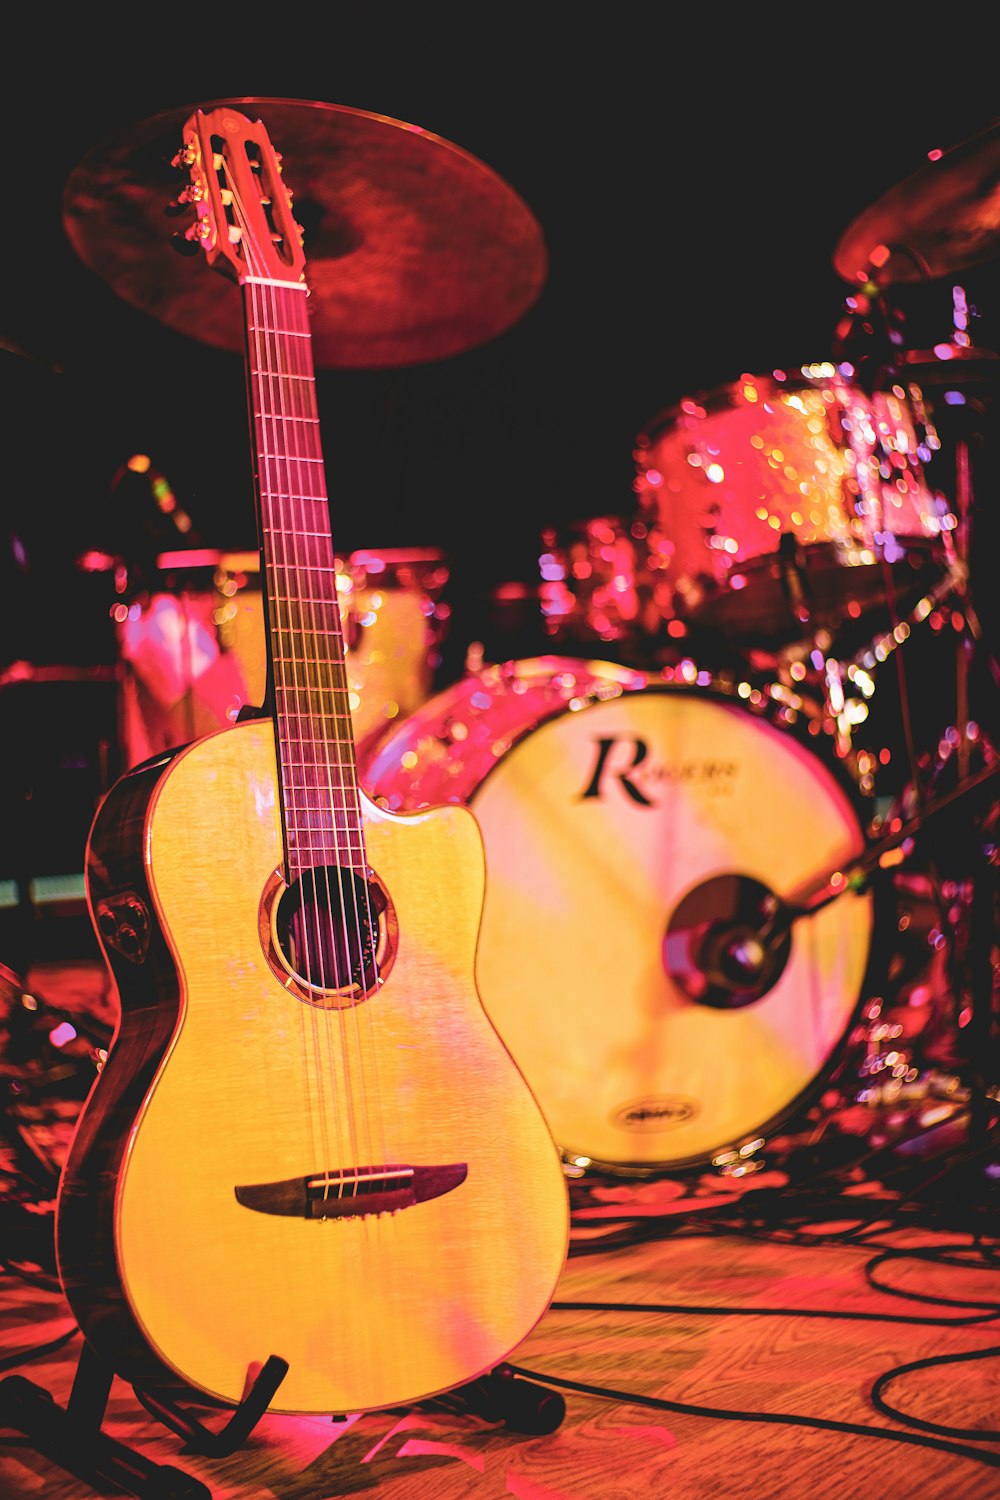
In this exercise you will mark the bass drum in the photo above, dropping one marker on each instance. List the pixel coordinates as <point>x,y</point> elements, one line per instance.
<point>635,830</point>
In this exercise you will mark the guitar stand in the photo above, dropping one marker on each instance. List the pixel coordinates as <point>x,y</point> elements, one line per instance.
<point>72,1436</point>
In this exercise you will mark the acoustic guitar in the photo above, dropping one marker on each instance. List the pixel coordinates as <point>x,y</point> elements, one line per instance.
<point>308,1140</point>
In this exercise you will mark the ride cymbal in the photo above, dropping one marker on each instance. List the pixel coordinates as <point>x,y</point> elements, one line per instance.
<point>943,218</point>
<point>416,250</point>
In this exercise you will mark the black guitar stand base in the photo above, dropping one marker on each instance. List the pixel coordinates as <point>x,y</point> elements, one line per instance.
<point>73,1437</point>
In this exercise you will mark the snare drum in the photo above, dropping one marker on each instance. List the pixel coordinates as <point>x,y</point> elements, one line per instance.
<point>784,502</point>
<point>634,829</point>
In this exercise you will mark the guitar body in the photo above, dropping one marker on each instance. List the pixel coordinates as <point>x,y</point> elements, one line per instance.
<point>225,1075</point>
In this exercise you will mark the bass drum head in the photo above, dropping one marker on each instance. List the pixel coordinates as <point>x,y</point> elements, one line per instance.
<point>625,823</point>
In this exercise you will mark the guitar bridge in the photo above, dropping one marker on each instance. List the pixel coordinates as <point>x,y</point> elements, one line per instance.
<point>355,1192</point>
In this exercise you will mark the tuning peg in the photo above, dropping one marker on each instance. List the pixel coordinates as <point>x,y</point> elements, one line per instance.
<point>183,245</point>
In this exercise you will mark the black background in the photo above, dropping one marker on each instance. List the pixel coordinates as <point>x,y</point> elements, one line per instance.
<point>692,179</point>
<point>692,174</point>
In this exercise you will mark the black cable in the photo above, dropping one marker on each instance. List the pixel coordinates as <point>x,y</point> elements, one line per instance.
<point>774,1312</point>
<point>990,1435</point>
<point>951,1255</point>
<point>32,1276</point>
<point>940,1256</point>
<point>800,1200</point>
<point>825,1424</point>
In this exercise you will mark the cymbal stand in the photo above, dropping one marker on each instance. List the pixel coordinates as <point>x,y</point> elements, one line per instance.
<point>839,684</point>
<point>967,386</point>
<point>969,843</point>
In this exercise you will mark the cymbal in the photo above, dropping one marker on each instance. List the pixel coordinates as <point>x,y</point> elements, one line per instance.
<point>415,249</point>
<point>943,218</point>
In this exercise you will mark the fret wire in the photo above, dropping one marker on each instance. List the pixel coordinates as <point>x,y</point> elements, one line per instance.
<point>305,533</point>
<point>344,741</point>
<point>304,848</point>
<point>317,777</point>
<point>321,570</point>
<point>319,783</point>
<point>324,786</point>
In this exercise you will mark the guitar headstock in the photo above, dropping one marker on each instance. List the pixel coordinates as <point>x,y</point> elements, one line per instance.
<point>245,222</point>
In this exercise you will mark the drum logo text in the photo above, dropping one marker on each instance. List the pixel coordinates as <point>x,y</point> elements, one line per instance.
<point>717,776</point>
<point>657,1112</point>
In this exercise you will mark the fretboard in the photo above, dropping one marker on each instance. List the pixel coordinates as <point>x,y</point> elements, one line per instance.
<point>314,729</point>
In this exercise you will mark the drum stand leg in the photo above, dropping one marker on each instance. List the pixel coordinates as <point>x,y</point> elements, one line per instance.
<point>980,1032</point>
<point>980,1041</point>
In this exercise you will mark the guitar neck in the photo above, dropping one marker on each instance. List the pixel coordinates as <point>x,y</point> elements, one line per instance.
<point>317,766</point>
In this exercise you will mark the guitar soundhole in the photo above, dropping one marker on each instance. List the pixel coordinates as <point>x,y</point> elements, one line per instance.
<point>327,928</point>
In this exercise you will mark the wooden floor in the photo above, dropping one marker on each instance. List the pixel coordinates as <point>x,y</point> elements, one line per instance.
<point>710,1336</point>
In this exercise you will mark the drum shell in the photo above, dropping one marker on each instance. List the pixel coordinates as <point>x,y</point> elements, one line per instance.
<point>598,589</point>
<point>631,1075</point>
<point>193,646</point>
<point>777,502</point>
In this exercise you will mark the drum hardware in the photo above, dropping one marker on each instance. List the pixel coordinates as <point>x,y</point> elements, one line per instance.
<point>846,683</point>
<point>604,590</point>
<point>732,959</point>
<point>914,244</point>
<point>396,218</point>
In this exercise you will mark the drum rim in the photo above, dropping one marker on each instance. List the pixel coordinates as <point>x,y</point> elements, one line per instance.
<point>715,690</point>
<point>714,398</point>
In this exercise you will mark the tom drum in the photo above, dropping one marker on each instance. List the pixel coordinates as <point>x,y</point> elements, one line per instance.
<point>782,502</point>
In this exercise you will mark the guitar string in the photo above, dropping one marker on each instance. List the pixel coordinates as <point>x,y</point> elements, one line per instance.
<point>266,413</point>
<point>292,349</point>
<point>259,391</point>
<point>357,1015</point>
<point>286,679</point>
<point>306,450</point>
<point>299,648</point>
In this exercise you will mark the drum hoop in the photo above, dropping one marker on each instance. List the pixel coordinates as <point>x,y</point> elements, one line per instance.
<point>717,400</point>
<point>717,689</point>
